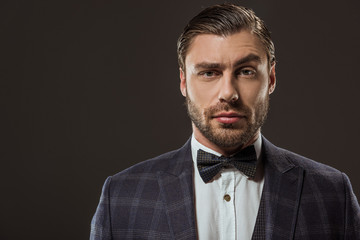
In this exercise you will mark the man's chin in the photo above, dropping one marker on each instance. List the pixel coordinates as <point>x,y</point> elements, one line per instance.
<point>228,137</point>
<point>229,133</point>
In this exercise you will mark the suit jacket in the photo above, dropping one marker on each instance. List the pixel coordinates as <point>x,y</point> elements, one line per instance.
<point>301,199</point>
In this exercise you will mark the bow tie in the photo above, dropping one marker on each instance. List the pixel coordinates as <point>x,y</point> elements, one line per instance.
<point>209,164</point>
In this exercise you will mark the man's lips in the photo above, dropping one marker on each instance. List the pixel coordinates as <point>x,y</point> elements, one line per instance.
<point>228,117</point>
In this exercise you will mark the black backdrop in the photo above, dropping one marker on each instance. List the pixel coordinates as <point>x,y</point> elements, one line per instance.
<point>89,88</point>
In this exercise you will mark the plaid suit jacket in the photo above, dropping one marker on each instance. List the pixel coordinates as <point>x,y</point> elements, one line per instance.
<point>301,199</point>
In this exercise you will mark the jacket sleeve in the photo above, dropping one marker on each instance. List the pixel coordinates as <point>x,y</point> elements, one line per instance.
<point>352,212</point>
<point>101,222</point>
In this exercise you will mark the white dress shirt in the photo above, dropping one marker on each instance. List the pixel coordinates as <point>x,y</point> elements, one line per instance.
<point>226,208</point>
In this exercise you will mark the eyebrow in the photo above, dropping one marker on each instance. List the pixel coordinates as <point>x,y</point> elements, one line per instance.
<point>248,58</point>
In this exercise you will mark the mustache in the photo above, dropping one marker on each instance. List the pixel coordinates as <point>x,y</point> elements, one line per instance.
<point>224,106</point>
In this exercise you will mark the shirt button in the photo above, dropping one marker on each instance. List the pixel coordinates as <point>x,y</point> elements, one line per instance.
<point>227,197</point>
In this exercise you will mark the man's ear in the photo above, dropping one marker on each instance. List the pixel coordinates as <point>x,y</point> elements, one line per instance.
<point>182,82</point>
<point>272,79</point>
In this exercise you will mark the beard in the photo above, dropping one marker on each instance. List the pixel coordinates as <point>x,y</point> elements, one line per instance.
<point>228,135</point>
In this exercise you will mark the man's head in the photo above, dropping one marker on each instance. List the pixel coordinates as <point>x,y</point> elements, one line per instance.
<point>227,71</point>
<point>224,20</point>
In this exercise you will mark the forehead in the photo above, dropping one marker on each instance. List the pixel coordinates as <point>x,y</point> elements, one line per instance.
<point>224,49</point>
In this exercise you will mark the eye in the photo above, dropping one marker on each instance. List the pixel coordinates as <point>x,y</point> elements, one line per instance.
<point>209,74</point>
<point>246,72</point>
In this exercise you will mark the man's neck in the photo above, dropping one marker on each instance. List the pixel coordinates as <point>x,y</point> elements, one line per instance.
<point>224,151</point>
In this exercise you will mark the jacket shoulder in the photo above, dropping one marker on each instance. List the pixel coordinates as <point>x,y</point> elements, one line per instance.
<point>308,164</point>
<point>173,162</point>
<point>283,159</point>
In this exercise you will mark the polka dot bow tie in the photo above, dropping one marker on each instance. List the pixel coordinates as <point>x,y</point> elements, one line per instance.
<point>209,164</point>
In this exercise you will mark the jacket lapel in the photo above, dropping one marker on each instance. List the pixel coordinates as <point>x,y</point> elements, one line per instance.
<point>281,193</point>
<point>177,193</point>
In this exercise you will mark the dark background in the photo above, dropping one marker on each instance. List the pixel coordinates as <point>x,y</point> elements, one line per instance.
<point>89,88</point>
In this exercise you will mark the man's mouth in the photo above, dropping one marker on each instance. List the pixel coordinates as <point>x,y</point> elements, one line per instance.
<point>228,117</point>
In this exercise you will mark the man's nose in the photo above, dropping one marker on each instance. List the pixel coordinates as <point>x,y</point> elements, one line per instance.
<point>228,91</point>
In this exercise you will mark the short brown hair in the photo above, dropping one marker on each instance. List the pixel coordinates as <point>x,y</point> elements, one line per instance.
<point>224,19</point>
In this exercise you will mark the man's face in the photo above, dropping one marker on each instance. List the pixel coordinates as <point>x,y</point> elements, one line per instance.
<point>227,82</point>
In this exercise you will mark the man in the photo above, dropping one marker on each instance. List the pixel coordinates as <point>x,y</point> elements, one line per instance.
<point>227,181</point>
